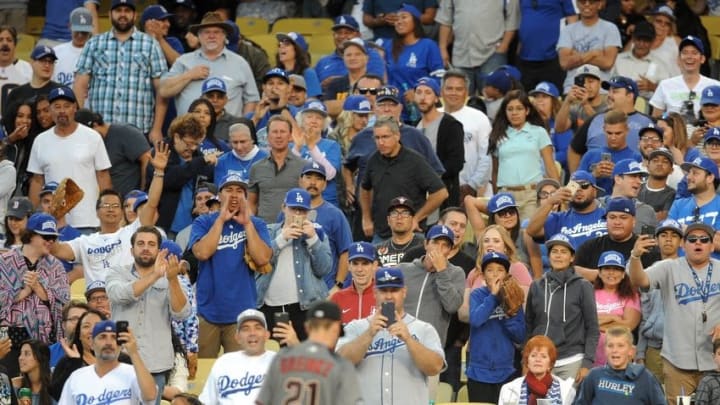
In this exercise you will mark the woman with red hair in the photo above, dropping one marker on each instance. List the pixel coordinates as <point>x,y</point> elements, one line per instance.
<point>539,358</point>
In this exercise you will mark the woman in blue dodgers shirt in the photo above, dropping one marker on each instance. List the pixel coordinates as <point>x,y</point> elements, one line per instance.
<point>493,333</point>
<point>409,57</point>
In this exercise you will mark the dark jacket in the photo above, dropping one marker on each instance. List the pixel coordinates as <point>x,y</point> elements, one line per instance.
<point>633,385</point>
<point>177,174</point>
<point>451,152</point>
<point>561,306</point>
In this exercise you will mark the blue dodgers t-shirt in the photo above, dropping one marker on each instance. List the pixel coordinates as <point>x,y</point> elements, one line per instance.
<point>57,25</point>
<point>593,156</point>
<point>576,226</point>
<point>333,65</point>
<point>225,284</point>
<point>207,147</point>
<point>332,152</point>
<point>414,62</point>
<point>540,27</point>
<point>229,163</point>
<point>684,211</point>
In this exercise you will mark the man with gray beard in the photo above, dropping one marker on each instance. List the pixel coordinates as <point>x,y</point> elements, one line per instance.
<point>129,384</point>
<point>583,220</point>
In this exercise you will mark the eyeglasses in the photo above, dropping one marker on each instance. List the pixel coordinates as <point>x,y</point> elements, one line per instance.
<point>285,42</point>
<point>72,319</point>
<point>702,239</point>
<point>650,139</point>
<point>108,206</point>
<point>712,145</point>
<point>99,298</point>
<point>365,90</point>
<point>49,238</point>
<point>507,212</point>
<point>400,214</point>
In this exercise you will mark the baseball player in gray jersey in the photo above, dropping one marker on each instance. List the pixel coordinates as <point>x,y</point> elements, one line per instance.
<point>311,373</point>
<point>690,289</point>
<point>393,348</point>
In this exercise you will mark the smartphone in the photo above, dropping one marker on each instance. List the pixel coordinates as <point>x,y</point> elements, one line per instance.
<point>648,230</point>
<point>701,123</point>
<point>573,186</point>
<point>298,220</point>
<point>283,317</point>
<point>121,326</point>
<point>579,81</point>
<point>387,310</point>
<point>3,332</point>
<point>606,157</point>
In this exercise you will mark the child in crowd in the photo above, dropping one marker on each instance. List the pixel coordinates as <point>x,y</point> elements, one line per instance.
<point>620,381</point>
<point>708,391</point>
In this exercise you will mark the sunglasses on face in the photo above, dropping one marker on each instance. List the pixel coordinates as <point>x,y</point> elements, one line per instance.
<point>702,239</point>
<point>584,186</point>
<point>507,212</point>
<point>49,238</point>
<point>365,90</point>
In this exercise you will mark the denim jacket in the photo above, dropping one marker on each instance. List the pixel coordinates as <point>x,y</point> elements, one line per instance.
<point>312,262</point>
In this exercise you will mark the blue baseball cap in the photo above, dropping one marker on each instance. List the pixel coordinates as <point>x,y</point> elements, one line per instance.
<point>276,72</point>
<point>49,187</point>
<point>297,198</point>
<point>173,248</point>
<point>389,277</point>
<point>233,178</point>
<point>315,106</point>
<point>494,257</point>
<point>118,3</point>
<point>710,95</point>
<point>703,163</point>
<point>628,166</point>
<point>140,199</point>
<point>620,204</point>
<point>233,36</point>
<point>214,84</point>
<point>97,285</point>
<point>712,133</point>
<point>346,21</point>
<point>669,225</point>
<point>314,167</point>
<point>500,79</point>
<point>104,326</point>
<point>294,37</point>
<point>361,250</point>
<point>621,82</point>
<point>409,8</point>
<point>357,42</point>
<point>388,93</point>
<point>357,104</point>
<point>500,201</point>
<point>665,10</point>
<point>582,176</point>
<point>652,128</point>
<point>560,239</point>
<point>693,41</point>
<point>440,231</point>
<point>42,224</point>
<point>61,93</point>
<point>512,71</point>
<point>611,258</point>
<point>42,51</point>
<point>154,12</point>
<point>429,82</point>
<point>546,88</point>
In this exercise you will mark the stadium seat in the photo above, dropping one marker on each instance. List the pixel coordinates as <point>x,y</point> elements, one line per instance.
<point>305,26</point>
<point>272,345</point>
<point>203,371</point>
<point>104,24</point>
<point>321,44</point>
<point>77,290</point>
<point>462,394</point>
<point>252,25</point>
<point>34,25</point>
<point>444,393</point>
<point>712,25</point>
<point>268,42</point>
<point>25,45</point>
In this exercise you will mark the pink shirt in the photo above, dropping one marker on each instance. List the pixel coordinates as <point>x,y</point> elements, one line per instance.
<point>609,303</point>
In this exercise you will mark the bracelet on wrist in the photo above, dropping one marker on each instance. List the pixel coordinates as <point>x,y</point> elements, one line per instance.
<point>156,174</point>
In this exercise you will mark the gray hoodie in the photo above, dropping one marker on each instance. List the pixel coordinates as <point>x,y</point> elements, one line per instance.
<point>561,306</point>
<point>433,296</point>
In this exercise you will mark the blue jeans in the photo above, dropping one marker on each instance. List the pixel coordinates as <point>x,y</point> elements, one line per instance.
<point>477,74</point>
<point>160,381</point>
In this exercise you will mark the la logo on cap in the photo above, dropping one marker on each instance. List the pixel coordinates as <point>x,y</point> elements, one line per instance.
<point>342,20</point>
<point>359,248</point>
<point>495,255</point>
<point>293,35</point>
<point>635,165</point>
<point>298,198</point>
<point>315,165</point>
<point>709,93</point>
<point>48,225</point>
<point>82,19</point>
<point>387,275</point>
<point>697,161</point>
<point>61,92</point>
<point>543,86</point>
<point>444,230</point>
<point>365,104</point>
<point>16,204</point>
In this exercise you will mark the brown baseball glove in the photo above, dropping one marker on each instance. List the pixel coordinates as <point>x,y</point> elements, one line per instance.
<point>66,197</point>
<point>264,269</point>
<point>511,296</point>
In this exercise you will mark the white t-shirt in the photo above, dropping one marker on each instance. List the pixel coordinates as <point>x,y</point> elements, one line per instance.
<point>78,156</point>
<point>671,93</point>
<point>67,55</point>
<point>99,252</point>
<point>12,76</point>
<point>236,378</point>
<point>118,387</point>
<point>477,167</point>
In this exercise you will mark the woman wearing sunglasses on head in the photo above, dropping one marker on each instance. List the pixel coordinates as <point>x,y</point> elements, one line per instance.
<point>33,288</point>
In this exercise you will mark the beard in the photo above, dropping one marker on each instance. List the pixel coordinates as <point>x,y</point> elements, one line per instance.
<point>122,27</point>
<point>140,262</point>
<point>581,205</point>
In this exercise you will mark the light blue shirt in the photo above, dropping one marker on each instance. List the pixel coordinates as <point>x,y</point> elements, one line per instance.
<point>519,159</point>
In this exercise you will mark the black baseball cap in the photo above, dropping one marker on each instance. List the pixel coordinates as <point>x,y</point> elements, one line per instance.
<point>324,310</point>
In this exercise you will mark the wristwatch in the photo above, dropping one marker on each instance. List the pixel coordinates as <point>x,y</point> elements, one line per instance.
<point>339,284</point>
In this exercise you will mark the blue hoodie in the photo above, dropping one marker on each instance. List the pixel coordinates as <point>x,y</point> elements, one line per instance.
<point>633,385</point>
<point>493,335</point>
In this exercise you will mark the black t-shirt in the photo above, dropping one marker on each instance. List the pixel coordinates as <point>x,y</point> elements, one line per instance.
<point>337,89</point>
<point>660,200</point>
<point>27,92</point>
<point>589,252</point>
<point>390,254</point>
<point>125,144</point>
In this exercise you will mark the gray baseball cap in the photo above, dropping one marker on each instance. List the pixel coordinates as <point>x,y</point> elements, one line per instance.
<point>81,20</point>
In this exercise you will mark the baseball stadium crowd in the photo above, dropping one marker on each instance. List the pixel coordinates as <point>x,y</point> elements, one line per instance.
<point>510,202</point>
